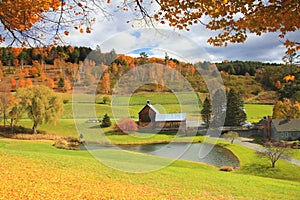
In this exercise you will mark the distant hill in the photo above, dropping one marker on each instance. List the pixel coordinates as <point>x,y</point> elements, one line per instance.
<point>61,67</point>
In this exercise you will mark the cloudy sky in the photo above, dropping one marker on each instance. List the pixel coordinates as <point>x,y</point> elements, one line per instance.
<point>191,45</point>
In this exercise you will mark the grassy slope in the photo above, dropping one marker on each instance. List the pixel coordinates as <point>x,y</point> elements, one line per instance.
<point>36,170</point>
<point>296,154</point>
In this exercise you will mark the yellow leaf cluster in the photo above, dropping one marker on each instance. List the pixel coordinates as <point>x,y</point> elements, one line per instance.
<point>289,78</point>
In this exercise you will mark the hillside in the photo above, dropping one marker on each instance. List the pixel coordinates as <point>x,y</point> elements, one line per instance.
<point>62,67</point>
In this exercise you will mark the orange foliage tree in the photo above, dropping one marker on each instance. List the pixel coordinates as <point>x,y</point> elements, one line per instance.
<point>28,82</point>
<point>1,74</point>
<point>7,101</point>
<point>234,19</point>
<point>43,77</point>
<point>19,19</point>
<point>289,78</point>
<point>33,71</point>
<point>105,83</point>
<point>278,85</point>
<point>50,83</point>
<point>13,83</point>
<point>26,71</point>
<point>21,83</point>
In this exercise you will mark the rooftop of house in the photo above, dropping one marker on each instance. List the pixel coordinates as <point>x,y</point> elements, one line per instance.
<point>283,125</point>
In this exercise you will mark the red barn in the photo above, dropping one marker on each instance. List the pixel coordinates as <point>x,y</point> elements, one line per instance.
<point>150,118</point>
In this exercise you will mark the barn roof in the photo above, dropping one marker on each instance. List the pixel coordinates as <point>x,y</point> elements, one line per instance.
<point>170,117</point>
<point>151,107</point>
<point>177,117</point>
<point>154,109</point>
<point>283,125</point>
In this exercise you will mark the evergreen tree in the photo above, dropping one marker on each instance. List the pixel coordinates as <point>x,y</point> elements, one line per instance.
<point>235,114</point>
<point>61,82</point>
<point>106,121</point>
<point>218,108</point>
<point>206,111</point>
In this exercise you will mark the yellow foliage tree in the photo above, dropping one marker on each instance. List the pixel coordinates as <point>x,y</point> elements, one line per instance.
<point>285,108</point>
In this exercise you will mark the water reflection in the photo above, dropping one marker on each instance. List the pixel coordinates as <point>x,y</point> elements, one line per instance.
<point>218,156</point>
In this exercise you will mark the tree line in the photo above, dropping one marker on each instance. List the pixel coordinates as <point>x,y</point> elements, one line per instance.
<point>242,67</point>
<point>14,56</point>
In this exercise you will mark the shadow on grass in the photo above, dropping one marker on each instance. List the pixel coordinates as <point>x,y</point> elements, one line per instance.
<point>224,144</point>
<point>113,132</point>
<point>261,169</point>
<point>95,127</point>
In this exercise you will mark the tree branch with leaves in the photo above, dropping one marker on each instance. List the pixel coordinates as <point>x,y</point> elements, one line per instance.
<point>28,22</point>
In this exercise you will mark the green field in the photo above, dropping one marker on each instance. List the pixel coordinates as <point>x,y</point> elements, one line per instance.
<point>37,170</point>
<point>165,103</point>
<point>256,112</point>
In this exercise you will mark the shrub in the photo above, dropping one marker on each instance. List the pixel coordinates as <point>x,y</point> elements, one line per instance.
<point>65,101</point>
<point>226,168</point>
<point>106,121</point>
<point>106,99</point>
<point>68,143</point>
<point>126,126</point>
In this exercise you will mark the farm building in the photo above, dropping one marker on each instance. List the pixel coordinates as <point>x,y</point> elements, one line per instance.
<point>285,129</point>
<point>150,118</point>
<point>281,129</point>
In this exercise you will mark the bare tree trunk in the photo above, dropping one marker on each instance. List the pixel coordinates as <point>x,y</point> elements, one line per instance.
<point>273,164</point>
<point>12,125</point>
<point>4,119</point>
<point>34,130</point>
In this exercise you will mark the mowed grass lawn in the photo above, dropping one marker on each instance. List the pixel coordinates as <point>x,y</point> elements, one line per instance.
<point>256,112</point>
<point>37,170</point>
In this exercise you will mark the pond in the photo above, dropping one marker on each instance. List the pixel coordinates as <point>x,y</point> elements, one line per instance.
<point>198,152</point>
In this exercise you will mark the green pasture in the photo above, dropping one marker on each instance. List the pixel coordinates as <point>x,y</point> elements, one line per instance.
<point>256,112</point>
<point>63,127</point>
<point>165,103</point>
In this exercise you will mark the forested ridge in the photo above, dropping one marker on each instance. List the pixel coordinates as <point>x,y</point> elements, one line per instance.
<point>60,67</point>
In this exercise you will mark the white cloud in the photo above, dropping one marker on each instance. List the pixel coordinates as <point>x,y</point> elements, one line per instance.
<point>124,38</point>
